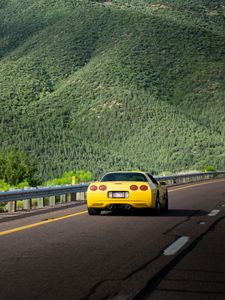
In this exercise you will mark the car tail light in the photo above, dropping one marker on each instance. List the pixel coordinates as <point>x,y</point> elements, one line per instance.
<point>143,187</point>
<point>133,187</point>
<point>103,187</point>
<point>93,188</point>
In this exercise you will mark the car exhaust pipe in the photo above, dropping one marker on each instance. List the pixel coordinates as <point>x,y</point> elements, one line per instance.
<point>110,207</point>
<point>127,206</point>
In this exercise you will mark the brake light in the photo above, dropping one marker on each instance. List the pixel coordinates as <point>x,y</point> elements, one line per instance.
<point>93,188</point>
<point>133,187</point>
<point>143,187</point>
<point>103,187</point>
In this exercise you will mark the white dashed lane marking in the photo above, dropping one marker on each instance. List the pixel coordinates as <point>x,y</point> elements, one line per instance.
<point>213,212</point>
<point>176,246</point>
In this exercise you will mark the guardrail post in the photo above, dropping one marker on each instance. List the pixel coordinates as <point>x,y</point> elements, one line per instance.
<point>27,204</point>
<point>62,198</point>
<point>71,197</point>
<point>68,197</point>
<point>52,200</point>
<point>40,202</point>
<point>81,196</point>
<point>11,206</point>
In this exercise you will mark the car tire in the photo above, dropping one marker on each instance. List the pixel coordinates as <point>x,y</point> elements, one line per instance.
<point>94,212</point>
<point>166,206</point>
<point>157,209</point>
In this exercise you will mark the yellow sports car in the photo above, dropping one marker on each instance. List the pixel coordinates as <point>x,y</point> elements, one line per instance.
<point>127,190</point>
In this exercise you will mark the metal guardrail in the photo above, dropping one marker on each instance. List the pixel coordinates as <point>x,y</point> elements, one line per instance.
<point>200,176</point>
<point>69,193</point>
<point>40,192</point>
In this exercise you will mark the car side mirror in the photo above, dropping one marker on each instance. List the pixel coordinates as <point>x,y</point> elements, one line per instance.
<point>162,182</point>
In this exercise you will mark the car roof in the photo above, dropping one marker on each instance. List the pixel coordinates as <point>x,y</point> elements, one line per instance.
<point>140,172</point>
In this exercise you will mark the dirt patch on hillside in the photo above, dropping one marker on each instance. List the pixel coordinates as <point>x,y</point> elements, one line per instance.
<point>160,6</point>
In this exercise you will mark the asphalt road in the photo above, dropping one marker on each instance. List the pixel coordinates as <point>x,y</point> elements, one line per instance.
<point>67,254</point>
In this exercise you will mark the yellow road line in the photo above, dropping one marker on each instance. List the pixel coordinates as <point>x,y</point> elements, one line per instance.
<point>192,185</point>
<point>41,223</point>
<point>13,230</point>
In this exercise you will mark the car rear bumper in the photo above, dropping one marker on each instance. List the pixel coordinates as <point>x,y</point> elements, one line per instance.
<point>104,205</point>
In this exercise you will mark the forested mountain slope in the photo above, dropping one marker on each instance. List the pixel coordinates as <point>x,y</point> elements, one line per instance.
<point>105,85</point>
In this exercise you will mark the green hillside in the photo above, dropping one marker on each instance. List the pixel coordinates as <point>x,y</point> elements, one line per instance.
<point>106,85</point>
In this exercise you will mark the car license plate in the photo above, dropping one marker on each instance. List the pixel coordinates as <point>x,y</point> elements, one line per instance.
<point>118,195</point>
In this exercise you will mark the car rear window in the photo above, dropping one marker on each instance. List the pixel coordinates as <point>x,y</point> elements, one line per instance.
<point>124,177</point>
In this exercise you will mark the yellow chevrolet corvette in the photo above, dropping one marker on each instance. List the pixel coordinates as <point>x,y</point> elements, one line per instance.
<point>127,190</point>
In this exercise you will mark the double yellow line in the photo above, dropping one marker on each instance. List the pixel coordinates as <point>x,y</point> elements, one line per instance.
<point>13,230</point>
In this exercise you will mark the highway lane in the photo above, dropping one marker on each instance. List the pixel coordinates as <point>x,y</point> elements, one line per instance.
<point>120,255</point>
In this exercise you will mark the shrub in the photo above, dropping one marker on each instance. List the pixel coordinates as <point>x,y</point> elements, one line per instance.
<point>4,186</point>
<point>80,175</point>
<point>210,169</point>
<point>15,167</point>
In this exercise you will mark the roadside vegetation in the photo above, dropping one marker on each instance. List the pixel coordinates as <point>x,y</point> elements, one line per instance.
<point>72,177</point>
<point>16,170</point>
<point>108,85</point>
